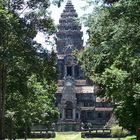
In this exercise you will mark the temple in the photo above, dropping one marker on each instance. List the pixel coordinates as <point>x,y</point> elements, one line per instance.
<point>76,97</point>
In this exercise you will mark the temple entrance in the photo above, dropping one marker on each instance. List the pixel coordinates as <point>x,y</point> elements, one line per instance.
<point>69,110</point>
<point>69,71</point>
<point>69,114</point>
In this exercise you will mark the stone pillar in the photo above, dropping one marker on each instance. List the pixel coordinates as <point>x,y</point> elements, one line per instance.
<point>73,72</point>
<point>59,68</point>
<point>79,115</point>
<point>63,114</point>
<point>74,113</point>
<point>65,71</point>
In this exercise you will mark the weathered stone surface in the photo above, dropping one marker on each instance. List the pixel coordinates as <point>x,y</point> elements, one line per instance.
<point>69,31</point>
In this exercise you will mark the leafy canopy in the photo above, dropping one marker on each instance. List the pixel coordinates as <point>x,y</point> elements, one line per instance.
<point>113,59</point>
<point>27,71</point>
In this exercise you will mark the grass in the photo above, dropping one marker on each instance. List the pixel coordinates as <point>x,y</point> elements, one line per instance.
<point>74,136</point>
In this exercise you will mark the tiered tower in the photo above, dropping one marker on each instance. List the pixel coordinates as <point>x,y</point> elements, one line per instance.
<point>69,36</point>
<point>75,97</point>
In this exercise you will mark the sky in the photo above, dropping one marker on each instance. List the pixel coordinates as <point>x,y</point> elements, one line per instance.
<point>55,14</point>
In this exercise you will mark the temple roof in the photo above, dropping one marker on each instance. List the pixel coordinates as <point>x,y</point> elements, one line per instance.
<point>83,89</point>
<point>87,108</point>
<point>77,82</point>
<point>100,109</point>
<point>103,108</point>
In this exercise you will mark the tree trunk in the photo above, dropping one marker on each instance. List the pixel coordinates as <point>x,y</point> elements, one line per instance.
<point>138,133</point>
<point>2,100</point>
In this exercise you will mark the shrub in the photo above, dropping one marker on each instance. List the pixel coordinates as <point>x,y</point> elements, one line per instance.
<point>117,131</point>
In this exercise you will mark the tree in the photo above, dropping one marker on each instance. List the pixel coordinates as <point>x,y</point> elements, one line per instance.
<point>30,97</point>
<point>19,54</point>
<point>112,60</point>
<point>37,107</point>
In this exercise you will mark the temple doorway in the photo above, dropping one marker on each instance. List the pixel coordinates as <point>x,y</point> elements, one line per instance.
<point>69,114</point>
<point>69,110</point>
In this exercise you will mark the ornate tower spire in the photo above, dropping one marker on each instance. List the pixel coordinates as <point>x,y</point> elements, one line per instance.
<point>69,34</point>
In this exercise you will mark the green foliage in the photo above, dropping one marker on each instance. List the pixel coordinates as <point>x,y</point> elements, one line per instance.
<point>117,131</point>
<point>36,107</point>
<point>112,60</point>
<point>30,97</point>
<point>28,72</point>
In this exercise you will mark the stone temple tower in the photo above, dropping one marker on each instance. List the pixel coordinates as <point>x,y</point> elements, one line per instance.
<point>69,34</point>
<point>75,96</point>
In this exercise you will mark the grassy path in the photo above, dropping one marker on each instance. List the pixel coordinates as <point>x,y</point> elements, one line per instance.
<point>68,136</point>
